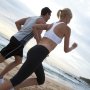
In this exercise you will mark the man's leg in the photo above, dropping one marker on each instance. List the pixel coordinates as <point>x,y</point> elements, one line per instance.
<point>1,58</point>
<point>35,56</point>
<point>18,60</point>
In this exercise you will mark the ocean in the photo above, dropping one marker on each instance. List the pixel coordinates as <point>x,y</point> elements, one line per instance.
<point>9,13</point>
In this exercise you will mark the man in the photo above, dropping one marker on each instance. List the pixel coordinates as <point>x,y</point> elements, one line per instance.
<point>18,40</point>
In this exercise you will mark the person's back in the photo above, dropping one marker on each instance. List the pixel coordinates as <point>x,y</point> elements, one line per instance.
<point>51,36</point>
<point>25,33</point>
<point>57,31</point>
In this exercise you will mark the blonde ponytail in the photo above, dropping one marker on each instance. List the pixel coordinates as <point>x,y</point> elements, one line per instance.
<point>63,13</point>
<point>58,13</point>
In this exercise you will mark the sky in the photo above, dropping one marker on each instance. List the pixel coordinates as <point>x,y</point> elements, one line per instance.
<point>77,61</point>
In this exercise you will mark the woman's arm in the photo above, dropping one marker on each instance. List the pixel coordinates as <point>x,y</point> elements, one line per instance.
<point>66,42</point>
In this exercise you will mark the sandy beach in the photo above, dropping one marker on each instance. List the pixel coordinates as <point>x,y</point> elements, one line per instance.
<point>48,85</point>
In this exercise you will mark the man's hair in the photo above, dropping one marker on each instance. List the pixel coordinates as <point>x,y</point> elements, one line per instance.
<point>45,11</point>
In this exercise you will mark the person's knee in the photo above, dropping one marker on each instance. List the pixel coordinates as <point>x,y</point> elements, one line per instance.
<point>2,58</point>
<point>18,60</point>
<point>41,80</point>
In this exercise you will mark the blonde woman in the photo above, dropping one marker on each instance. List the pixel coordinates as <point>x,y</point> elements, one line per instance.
<point>35,56</point>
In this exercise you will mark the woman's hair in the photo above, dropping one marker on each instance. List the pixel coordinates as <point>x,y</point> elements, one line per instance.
<point>64,12</point>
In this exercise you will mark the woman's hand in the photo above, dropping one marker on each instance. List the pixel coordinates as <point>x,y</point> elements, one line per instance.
<point>74,45</point>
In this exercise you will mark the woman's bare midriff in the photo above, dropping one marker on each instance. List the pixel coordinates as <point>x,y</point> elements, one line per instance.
<point>49,44</point>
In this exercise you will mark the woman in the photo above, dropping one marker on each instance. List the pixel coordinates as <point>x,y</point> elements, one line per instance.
<point>35,56</point>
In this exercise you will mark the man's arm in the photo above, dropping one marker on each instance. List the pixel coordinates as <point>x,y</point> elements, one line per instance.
<point>37,33</point>
<point>41,27</point>
<point>20,22</point>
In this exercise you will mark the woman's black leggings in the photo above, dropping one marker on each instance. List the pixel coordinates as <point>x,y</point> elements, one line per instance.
<point>33,63</point>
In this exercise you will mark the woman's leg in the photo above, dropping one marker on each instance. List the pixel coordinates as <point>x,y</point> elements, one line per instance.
<point>34,58</point>
<point>40,78</point>
<point>33,81</point>
<point>40,74</point>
